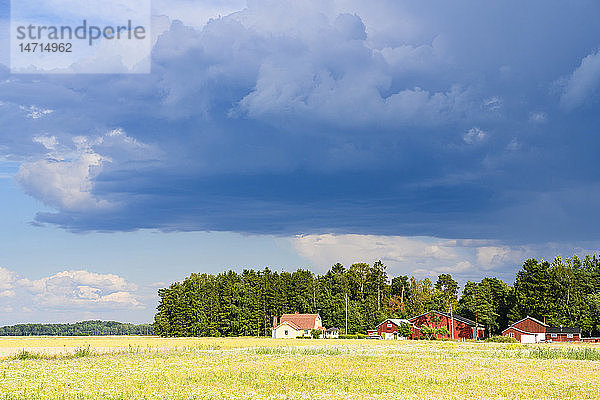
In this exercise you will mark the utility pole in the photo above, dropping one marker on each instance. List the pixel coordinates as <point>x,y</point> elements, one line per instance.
<point>346,313</point>
<point>378,296</point>
<point>476,333</point>
<point>402,294</point>
<point>451,320</point>
<point>314,287</point>
<point>402,298</point>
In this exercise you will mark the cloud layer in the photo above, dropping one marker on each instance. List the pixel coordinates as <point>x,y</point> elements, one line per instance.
<point>429,256</point>
<point>287,117</point>
<point>66,295</point>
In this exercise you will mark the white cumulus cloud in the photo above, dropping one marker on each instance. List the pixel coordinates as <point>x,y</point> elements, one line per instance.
<point>424,256</point>
<point>402,255</point>
<point>583,82</point>
<point>65,184</point>
<point>71,290</point>
<point>34,112</point>
<point>474,135</point>
<point>64,179</point>
<point>7,279</point>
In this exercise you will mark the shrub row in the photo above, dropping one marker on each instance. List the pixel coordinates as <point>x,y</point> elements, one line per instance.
<point>501,339</point>
<point>355,336</point>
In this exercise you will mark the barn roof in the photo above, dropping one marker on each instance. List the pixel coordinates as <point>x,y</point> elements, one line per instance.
<point>549,329</point>
<point>454,316</point>
<point>395,321</point>
<point>303,321</point>
<point>537,321</point>
<point>459,318</point>
<point>520,330</point>
<point>564,329</point>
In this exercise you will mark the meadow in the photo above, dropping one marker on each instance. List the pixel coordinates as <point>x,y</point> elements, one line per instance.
<point>256,368</point>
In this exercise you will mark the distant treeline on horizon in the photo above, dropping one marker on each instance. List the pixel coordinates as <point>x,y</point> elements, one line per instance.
<point>562,292</point>
<point>85,328</point>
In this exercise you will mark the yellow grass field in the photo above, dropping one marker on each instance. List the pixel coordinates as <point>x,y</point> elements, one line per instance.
<point>253,368</point>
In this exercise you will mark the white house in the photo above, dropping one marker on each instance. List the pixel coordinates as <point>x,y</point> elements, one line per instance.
<point>295,325</point>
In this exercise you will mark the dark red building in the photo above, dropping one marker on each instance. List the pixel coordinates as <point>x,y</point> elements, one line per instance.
<point>531,330</point>
<point>563,334</point>
<point>458,327</point>
<point>388,329</point>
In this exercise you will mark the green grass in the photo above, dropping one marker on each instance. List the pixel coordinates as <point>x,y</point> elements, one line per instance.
<point>26,355</point>
<point>582,353</point>
<point>84,351</point>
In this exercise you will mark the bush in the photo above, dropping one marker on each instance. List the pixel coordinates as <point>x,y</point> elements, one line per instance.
<point>354,336</point>
<point>405,329</point>
<point>84,351</point>
<point>315,333</point>
<point>501,339</point>
<point>349,337</point>
<point>25,355</point>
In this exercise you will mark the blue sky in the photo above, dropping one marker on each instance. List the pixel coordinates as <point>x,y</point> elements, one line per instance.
<point>440,137</point>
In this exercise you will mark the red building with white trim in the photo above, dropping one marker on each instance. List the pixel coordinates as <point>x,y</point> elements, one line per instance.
<point>531,330</point>
<point>388,329</point>
<point>458,327</point>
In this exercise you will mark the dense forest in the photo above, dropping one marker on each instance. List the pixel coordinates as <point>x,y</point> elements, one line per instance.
<point>85,328</point>
<point>564,291</point>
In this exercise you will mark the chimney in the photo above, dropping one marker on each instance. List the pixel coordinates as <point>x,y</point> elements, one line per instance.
<point>274,321</point>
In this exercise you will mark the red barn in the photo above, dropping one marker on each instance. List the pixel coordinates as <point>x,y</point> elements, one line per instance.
<point>531,330</point>
<point>464,328</point>
<point>388,329</point>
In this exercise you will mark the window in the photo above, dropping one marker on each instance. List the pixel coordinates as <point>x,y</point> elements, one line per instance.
<point>286,332</point>
<point>553,335</point>
<point>569,336</point>
<point>511,334</point>
<point>389,325</point>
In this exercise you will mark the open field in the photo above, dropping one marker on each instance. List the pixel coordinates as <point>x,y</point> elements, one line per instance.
<point>248,368</point>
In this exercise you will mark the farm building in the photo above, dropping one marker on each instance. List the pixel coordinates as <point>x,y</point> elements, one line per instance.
<point>591,339</point>
<point>531,330</point>
<point>295,325</point>
<point>458,327</point>
<point>388,329</point>
<point>563,334</point>
<point>331,333</point>
<point>527,330</point>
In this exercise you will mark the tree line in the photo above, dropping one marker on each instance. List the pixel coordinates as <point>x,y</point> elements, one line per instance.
<point>85,328</point>
<point>354,299</point>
